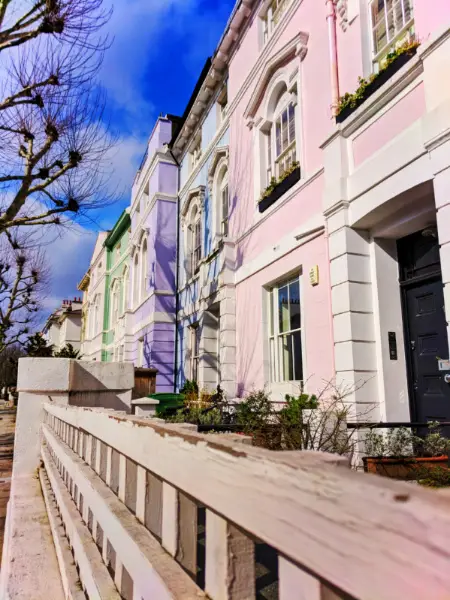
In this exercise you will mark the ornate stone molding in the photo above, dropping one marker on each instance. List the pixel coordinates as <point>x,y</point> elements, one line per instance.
<point>219,156</point>
<point>197,193</point>
<point>297,47</point>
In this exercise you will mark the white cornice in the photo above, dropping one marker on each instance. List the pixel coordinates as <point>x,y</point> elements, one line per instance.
<point>260,62</point>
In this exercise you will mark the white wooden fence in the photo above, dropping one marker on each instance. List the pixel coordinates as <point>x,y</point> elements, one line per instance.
<point>144,510</point>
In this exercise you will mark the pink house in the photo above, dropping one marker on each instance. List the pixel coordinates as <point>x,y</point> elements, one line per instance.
<point>338,211</point>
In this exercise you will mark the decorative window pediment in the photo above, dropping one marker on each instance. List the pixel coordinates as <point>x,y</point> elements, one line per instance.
<point>219,156</point>
<point>199,193</point>
<point>296,47</point>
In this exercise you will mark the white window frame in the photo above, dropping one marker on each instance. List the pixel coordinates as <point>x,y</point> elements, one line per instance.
<point>125,286</point>
<point>281,161</point>
<point>405,32</point>
<point>271,15</point>
<point>275,335</point>
<point>224,200</point>
<point>194,346</point>
<point>195,245</point>
<point>143,270</point>
<point>115,301</point>
<point>195,152</point>
<point>136,274</point>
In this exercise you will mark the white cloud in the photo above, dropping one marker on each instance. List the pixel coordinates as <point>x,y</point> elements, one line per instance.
<point>68,256</point>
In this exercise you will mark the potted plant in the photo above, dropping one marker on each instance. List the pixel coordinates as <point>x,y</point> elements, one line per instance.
<point>400,452</point>
<point>277,187</point>
<point>393,62</point>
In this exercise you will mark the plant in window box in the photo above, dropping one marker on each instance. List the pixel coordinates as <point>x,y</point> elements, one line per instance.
<point>399,453</point>
<point>277,187</point>
<point>393,61</point>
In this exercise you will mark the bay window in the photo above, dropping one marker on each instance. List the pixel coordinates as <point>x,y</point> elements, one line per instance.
<point>392,24</point>
<point>285,334</point>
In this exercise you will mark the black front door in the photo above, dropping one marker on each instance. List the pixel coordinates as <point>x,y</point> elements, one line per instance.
<point>425,326</point>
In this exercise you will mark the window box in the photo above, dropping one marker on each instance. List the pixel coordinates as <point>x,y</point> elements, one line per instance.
<point>377,82</point>
<point>281,188</point>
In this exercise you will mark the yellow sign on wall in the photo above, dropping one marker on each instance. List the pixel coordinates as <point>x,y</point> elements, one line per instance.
<point>314,275</point>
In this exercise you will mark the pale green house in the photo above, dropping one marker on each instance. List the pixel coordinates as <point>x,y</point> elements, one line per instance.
<point>116,289</point>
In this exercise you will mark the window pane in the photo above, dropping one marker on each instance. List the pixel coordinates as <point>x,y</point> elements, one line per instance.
<point>379,37</point>
<point>272,359</point>
<point>392,30</point>
<point>225,203</point>
<point>278,137</point>
<point>294,304</point>
<point>291,123</point>
<point>271,311</point>
<point>269,148</point>
<point>398,15</point>
<point>297,359</point>
<point>284,128</point>
<point>409,10</point>
<point>378,12</point>
<point>283,308</point>
<point>286,357</point>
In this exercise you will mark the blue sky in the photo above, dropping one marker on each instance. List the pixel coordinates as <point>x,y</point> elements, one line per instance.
<point>159,49</point>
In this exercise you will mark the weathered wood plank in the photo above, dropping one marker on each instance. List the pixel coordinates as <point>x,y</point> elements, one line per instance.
<point>153,504</point>
<point>187,534</point>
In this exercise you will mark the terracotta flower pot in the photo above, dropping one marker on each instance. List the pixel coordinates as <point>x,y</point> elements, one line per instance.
<point>402,467</point>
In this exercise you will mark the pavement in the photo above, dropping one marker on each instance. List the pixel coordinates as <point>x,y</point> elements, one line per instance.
<point>7,428</point>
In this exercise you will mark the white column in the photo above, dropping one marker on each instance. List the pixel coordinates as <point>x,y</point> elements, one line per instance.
<point>352,300</point>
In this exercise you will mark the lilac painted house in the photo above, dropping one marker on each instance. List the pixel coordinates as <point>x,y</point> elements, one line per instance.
<point>150,295</point>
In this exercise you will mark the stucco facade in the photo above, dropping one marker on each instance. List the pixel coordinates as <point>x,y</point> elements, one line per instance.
<point>151,294</point>
<point>117,246</point>
<point>137,260</point>
<point>317,282</point>
<point>93,286</point>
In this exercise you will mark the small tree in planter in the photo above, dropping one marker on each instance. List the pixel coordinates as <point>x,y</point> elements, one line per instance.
<point>399,453</point>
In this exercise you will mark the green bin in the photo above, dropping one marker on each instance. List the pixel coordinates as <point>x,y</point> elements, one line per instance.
<point>168,403</point>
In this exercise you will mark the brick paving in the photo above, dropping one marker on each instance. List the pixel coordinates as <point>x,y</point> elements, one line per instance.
<point>7,428</point>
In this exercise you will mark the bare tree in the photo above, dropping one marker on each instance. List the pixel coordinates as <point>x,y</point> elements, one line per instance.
<point>23,280</point>
<point>53,138</point>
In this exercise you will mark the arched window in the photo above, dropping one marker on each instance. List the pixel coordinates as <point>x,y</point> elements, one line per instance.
<point>136,280</point>
<point>195,241</point>
<point>144,270</point>
<point>97,328</point>
<point>125,290</point>
<point>222,203</point>
<point>115,300</point>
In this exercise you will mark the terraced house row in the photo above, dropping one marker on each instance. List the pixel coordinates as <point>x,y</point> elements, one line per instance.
<point>293,226</point>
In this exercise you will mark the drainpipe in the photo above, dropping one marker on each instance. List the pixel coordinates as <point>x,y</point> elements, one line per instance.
<point>177,267</point>
<point>332,46</point>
